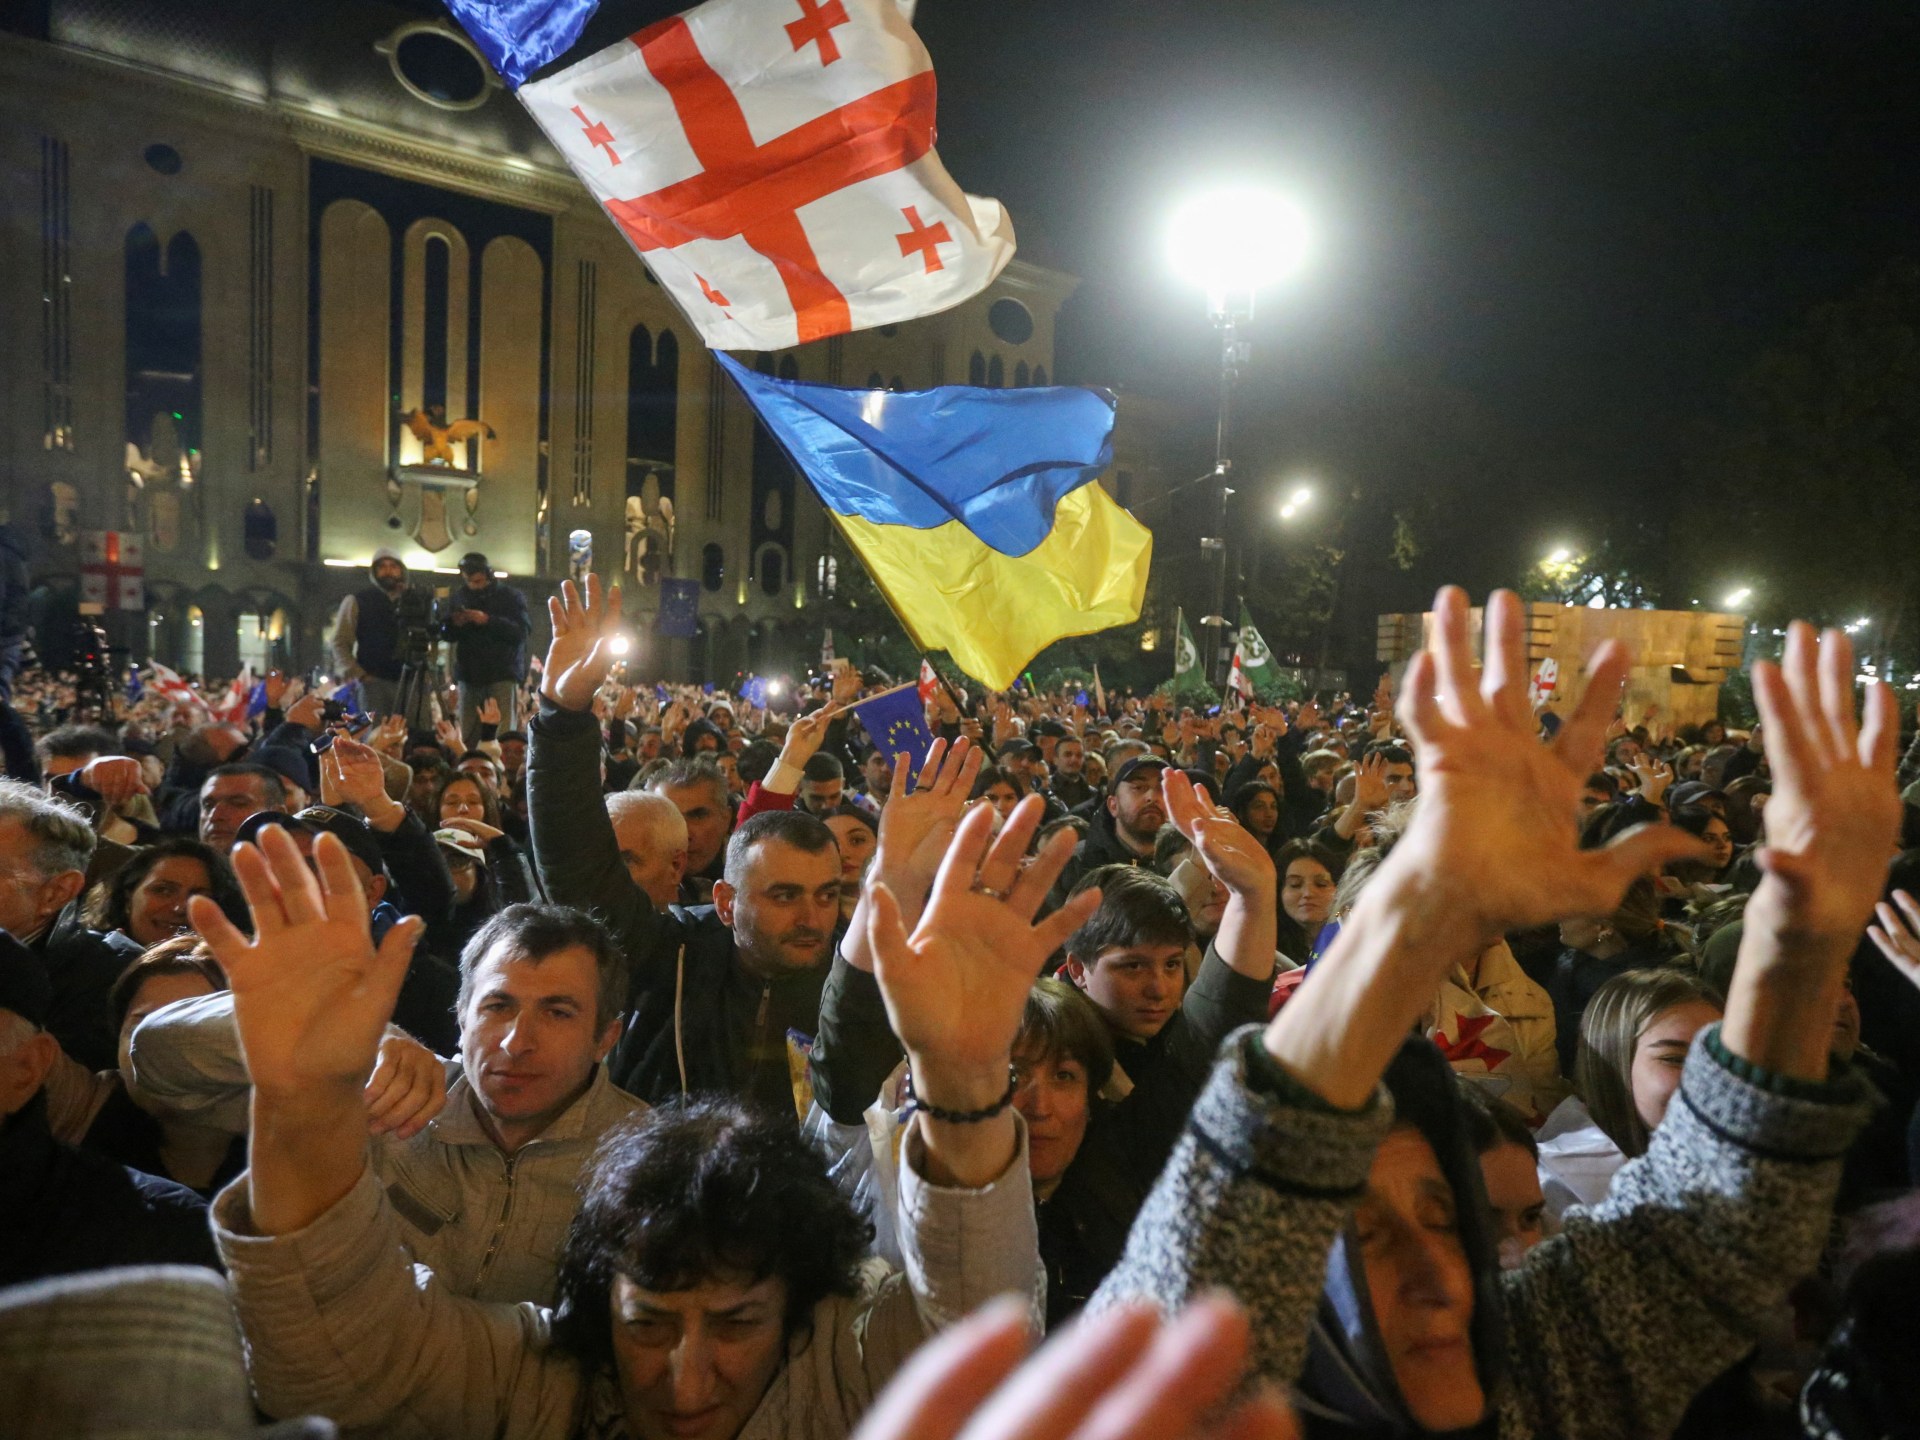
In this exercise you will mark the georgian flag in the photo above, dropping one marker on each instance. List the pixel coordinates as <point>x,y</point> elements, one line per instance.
<point>929,682</point>
<point>771,160</point>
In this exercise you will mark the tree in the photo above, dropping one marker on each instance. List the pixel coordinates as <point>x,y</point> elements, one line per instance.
<point>1807,487</point>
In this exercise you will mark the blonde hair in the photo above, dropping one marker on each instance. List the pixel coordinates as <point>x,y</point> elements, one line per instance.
<point>1610,1031</point>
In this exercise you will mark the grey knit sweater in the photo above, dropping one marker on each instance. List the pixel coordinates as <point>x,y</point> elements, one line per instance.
<point>1612,1326</point>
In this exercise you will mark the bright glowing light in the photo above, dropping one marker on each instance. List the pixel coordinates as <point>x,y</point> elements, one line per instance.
<point>1238,238</point>
<point>1739,597</point>
<point>1863,622</point>
<point>775,689</point>
<point>620,644</point>
<point>1560,556</point>
<point>1287,512</point>
<point>1301,496</point>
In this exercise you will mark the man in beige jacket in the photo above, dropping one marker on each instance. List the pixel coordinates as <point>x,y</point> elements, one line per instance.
<point>483,1191</point>
<point>688,1311</point>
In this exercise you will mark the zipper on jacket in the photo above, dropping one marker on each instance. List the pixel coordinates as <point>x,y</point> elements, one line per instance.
<point>500,1225</point>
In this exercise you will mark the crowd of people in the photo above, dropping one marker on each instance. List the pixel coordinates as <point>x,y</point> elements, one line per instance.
<point>669,1066</point>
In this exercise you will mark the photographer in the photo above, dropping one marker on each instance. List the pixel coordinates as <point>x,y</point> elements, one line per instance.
<point>487,623</point>
<point>370,640</point>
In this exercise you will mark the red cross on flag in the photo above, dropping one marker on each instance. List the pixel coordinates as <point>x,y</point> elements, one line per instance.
<point>112,570</point>
<point>772,161</point>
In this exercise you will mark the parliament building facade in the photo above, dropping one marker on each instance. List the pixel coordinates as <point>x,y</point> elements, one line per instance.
<point>257,263</point>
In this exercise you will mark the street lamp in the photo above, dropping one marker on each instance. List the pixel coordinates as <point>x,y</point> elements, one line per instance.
<point>1232,243</point>
<point>1739,597</point>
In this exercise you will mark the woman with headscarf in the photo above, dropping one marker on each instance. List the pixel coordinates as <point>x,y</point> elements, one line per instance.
<point>1348,1214</point>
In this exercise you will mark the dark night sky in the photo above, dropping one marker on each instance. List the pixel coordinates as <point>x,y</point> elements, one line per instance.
<point>1582,217</point>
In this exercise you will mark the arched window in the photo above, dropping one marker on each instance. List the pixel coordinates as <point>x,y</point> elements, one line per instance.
<point>875,380</point>
<point>713,566</point>
<point>826,577</point>
<point>773,569</point>
<point>436,269</point>
<point>255,649</point>
<point>1020,375</point>
<point>163,348</point>
<point>898,384</point>
<point>653,407</point>
<point>977,369</point>
<point>1039,374</point>
<point>773,483</point>
<point>259,530</point>
<point>996,373</point>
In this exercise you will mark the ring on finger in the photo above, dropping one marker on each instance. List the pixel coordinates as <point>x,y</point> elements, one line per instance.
<point>983,889</point>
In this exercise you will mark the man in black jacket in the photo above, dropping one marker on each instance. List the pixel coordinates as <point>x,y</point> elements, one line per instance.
<point>714,991</point>
<point>488,627</point>
<point>67,1210</point>
<point>367,641</point>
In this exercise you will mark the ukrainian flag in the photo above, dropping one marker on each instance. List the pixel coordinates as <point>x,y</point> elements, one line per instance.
<point>974,510</point>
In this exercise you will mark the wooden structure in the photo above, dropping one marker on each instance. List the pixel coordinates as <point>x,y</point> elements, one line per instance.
<point>1680,657</point>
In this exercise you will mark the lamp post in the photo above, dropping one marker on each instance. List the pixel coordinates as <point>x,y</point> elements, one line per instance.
<point>1232,243</point>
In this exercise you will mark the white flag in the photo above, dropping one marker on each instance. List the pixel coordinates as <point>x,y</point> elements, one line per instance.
<point>773,162</point>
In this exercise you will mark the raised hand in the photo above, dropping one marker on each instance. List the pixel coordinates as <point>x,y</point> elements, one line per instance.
<point>1493,799</point>
<point>351,774</point>
<point>115,778</point>
<point>1897,936</point>
<point>489,711</point>
<point>956,988</point>
<point>389,737</point>
<point>805,736</point>
<point>1123,1374</point>
<point>1654,776</point>
<point>581,653</point>
<point>276,689</point>
<point>312,994</point>
<point>1833,818</point>
<point>917,826</point>
<point>1370,784</point>
<point>1237,860</point>
<point>309,711</point>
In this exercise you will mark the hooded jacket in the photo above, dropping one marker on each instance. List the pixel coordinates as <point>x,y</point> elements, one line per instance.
<point>366,628</point>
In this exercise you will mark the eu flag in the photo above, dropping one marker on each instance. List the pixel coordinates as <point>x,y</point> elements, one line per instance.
<point>975,510</point>
<point>679,608</point>
<point>896,722</point>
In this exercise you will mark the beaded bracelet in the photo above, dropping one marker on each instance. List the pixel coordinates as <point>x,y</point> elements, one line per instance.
<point>965,1117</point>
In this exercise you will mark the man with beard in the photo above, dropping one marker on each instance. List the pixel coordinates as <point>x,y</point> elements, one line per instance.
<point>1124,831</point>
<point>366,633</point>
<point>712,990</point>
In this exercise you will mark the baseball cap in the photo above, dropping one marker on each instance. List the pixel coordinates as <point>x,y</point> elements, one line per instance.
<point>1135,763</point>
<point>473,561</point>
<point>463,844</point>
<point>352,831</point>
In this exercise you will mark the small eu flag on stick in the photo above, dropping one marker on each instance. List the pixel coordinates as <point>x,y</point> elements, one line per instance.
<point>896,721</point>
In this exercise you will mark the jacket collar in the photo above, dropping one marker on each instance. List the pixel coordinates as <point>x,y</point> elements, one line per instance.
<point>460,1124</point>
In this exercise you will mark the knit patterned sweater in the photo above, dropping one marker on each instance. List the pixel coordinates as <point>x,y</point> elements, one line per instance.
<point>1612,1326</point>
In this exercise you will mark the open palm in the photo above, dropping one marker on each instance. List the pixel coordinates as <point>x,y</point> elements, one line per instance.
<point>312,994</point>
<point>1495,818</point>
<point>580,656</point>
<point>956,988</point>
<point>916,827</point>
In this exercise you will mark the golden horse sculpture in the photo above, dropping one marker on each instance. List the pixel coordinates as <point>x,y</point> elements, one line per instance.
<point>437,438</point>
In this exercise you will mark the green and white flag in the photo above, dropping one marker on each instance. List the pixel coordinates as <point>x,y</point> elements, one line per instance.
<point>1186,654</point>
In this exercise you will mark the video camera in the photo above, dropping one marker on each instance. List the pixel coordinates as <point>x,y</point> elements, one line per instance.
<point>420,620</point>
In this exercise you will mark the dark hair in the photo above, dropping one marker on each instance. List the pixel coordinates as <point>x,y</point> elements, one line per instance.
<point>756,762</point>
<point>1137,907</point>
<point>1604,782</point>
<point>273,780</point>
<point>1292,938</point>
<point>993,775</point>
<point>533,931</point>
<point>1046,832</point>
<point>854,812</point>
<point>489,797</point>
<point>693,1189</point>
<point>108,903</point>
<point>1168,848</point>
<point>176,955</point>
<point>77,740</point>
<point>1393,753</point>
<point>1243,797</point>
<point>798,828</point>
<point>1061,1023</point>
<point>822,767</point>
<point>1491,1121</point>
